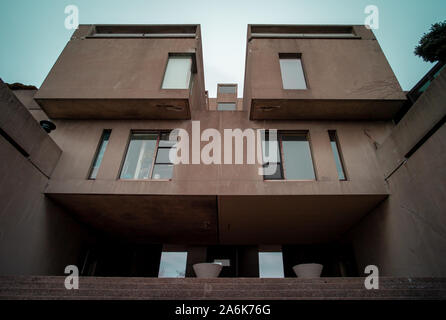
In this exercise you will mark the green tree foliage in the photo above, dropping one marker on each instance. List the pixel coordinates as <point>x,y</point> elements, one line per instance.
<point>432,46</point>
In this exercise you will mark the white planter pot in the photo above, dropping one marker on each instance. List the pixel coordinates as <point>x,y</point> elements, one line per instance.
<point>308,270</point>
<point>207,270</point>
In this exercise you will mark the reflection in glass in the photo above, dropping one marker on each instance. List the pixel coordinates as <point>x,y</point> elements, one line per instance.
<point>178,72</point>
<point>298,164</point>
<point>292,73</point>
<point>139,158</point>
<point>173,265</point>
<point>271,265</point>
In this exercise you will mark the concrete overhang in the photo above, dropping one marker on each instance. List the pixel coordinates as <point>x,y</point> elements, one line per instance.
<point>146,218</point>
<point>116,72</point>
<point>291,219</point>
<point>116,108</point>
<point>323,109</point>
<point>225,219</point>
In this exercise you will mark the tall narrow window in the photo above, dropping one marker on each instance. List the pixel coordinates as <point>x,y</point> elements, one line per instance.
<point>226,106</point>
<point>148,156</point>
<point>173,265</point>
<point>99,154</point>
<point>292,72</point>
<point>294,159</point>
<point>178,72</point>
<point>271,265</point>
<point>336,153</point>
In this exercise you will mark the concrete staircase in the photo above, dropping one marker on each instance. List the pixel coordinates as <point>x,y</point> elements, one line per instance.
<point>50,288</point>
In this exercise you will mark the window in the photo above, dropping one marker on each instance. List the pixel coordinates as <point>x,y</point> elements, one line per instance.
<point>271,265</point>
<point>148,156</point>
<point>292,71</point>
<point>178,72</point>
<point>223,262</point>
<point>173,265</point>
<point>99,154</point>
<point>337,156</point>
<point>226,106</point>
<point>294,161</point>
<point>225,89</point>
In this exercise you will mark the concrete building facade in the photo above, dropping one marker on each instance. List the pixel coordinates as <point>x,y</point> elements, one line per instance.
<point>352,188</point>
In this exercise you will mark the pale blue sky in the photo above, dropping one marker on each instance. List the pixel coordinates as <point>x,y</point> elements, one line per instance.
<point>32,33</point>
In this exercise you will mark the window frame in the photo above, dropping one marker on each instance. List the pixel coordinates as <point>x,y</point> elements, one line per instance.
<point>333,134</point>
<point>169,252</point>
<point>193,69</point>
<point>136,131</point>
<point>290,56</point>
<point>226,86</point>
<point>226,103</point>
<point>281,153</point>
<point>96,154</point>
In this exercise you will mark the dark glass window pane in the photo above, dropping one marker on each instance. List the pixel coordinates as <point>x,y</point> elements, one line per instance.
<point>164,140</point>
<point>266,145</point>
<point>162,171</point>
<point>298,164</point>
<point>100,154</point>
<point>277,175</point>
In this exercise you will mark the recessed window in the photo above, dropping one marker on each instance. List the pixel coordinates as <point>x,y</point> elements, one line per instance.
<point>223,262</point>
<point>337,155</point>
<point>173,265</point>
<point>178,72</point>
<point>292,72</point>
<point>271,265</point>
<point>148,156</point>
<point>293,157</point>
<point>227,89</point>
<point>226,106</point>
<point>99,154</point>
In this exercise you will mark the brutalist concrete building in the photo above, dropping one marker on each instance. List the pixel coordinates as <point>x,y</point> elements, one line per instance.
<point>359,179</point>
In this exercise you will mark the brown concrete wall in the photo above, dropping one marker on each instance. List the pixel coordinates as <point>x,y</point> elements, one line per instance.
<point>125,71</point>
<point>36,236</point>
<point>427,111</point>
<point>335,69</point>
<point>406,234</point>
<point>79,140</point>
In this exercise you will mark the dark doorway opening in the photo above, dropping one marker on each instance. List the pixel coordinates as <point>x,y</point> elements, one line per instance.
<point>243,260</point>
<point>122,260</point>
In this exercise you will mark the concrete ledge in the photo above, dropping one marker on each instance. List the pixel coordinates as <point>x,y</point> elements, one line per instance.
<point>97,288</point>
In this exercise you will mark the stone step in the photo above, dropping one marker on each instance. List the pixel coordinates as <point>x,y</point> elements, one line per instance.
<point>211,294</point>
<point>138,280</point>
<point>219,286</point>
<point>40,287</point>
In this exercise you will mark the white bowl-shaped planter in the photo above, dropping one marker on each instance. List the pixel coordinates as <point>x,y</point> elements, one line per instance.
<point>207,270</point>
<point>308,270</point>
